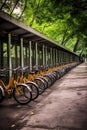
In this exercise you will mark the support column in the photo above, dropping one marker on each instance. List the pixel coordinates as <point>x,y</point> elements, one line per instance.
<point>68,57</point>
<point>63,57</point>
<point>30,56</point>
<point>86,55</point>
<point>56,58</point>
<point>43,55</point>
<point>9,54</point>
<point>1,55</point>
<point>51,59</point>
<point>46,55</point>
<point>21,52</point>
<point>36,55</point>
<point>59,57</point>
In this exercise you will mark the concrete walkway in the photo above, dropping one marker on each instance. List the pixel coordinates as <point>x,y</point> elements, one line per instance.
<point>61,107</point>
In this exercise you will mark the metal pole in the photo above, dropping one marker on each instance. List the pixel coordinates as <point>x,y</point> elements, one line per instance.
<point>43,56</point>
<point>56,57</point>
<point>36,56</point>
<point>63,57</point>
<point>46,55</point>
<point>9,54</point>
<point>86,54</point>
<point>1,54</point>
<point>21,52</point>
<point>51,56</point>
<point>59,57</point>
<point>30,56</point>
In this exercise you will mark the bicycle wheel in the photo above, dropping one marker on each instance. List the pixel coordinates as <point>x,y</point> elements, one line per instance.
<point>41,85</point>
<point>22,94</point>
<point>2,94</point>
<point>48,79</point>
<point>60,73</point>
<point>53,77</point>
<point>45,81</point>
<point>57,75</point>
<point>34,89</point>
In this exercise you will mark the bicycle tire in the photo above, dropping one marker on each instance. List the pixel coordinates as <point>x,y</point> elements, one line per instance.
<point>48,79</point>
<point>53,76</point>
<point>57,75</point>
<point>45,80</point>
<point>2,94</point>
<point>34,89</point>
<point>22,94</point>
<point>60,73</point>
<point>41,84</point>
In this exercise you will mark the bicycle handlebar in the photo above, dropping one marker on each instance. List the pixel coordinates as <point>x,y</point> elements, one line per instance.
<point>7,70</point>
<point>2,70</point>
<point>16,69</point>
<point>24,68</point>
<point>2,73</point>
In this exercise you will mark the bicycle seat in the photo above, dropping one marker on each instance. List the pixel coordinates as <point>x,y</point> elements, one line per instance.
<point>41,67</point>
<point>3,73</point>
<point>24,68</point>
<point>2,70</point>
<point>37,70</point>
<point>31,72</point>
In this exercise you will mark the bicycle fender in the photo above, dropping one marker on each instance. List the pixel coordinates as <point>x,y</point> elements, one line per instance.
<point>24,85</point>
<point>32,83</point>
<point>40,79</point>
<point>3,92</point>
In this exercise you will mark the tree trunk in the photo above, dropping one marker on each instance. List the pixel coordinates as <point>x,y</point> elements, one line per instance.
<point>76,45</point>
<point>64,36</point>
<point>3,5</point>
<point>14,6</point>
<point>22,12</point>
<point>68,38</point>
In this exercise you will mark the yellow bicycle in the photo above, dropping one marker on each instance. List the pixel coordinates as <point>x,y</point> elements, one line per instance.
<point>20,91</point>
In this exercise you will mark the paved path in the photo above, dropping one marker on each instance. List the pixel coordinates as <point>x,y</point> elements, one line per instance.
<point>61,107</point>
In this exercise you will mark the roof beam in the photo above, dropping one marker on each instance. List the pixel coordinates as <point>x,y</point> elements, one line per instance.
<point>42,40</point>
<point>12,29</point>
<point>26,35</point>
<point>33,38</point>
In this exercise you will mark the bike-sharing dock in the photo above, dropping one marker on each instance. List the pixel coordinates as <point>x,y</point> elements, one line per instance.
<point>42,77</point>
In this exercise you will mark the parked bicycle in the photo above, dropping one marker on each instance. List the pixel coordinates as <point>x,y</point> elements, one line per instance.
<point>23,78</point>
<point>20,91</point>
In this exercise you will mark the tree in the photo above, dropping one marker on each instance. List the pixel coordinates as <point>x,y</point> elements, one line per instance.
<point>63,21</point>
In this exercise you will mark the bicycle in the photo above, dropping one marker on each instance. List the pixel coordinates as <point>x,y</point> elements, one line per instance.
<point>21,92</point>
<point>43,74</point>
<point>39,79</point>
<point>23,79</point>
<point>34,76</point>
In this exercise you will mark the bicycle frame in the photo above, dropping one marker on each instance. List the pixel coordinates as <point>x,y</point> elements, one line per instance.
<point>11,85</point>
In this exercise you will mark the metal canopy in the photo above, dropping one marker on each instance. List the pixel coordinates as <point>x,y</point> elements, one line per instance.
<point>11,25</point>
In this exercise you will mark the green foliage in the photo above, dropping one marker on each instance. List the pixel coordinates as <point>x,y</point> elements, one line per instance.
<point>61,20</point>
